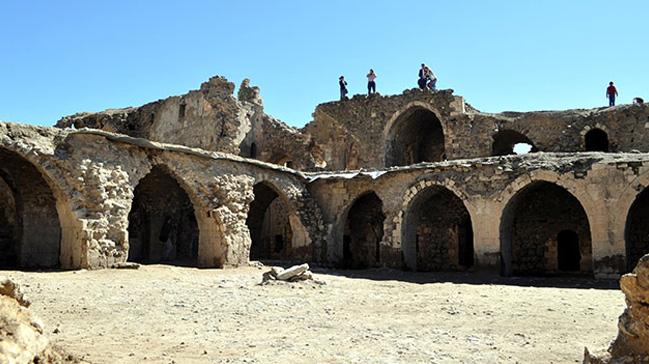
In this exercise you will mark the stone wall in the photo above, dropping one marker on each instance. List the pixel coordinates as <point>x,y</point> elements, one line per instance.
<point>210,118</point>
<point>94,198</point>
<point>367,132</point>
<point>94,175</point>
<point>382,131</point>
<point>603,185</point>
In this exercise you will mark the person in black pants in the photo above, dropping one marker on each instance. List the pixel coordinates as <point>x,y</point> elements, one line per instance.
<point>371,84</point>
<point>343,87</point>
<point>422,77</point>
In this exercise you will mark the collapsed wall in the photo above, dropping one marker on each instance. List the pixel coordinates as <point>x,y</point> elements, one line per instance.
<point>210,118</point>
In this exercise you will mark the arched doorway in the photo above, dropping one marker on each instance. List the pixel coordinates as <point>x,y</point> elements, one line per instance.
<point>269,224</point>
<point>363,232</point>
<point>437,232</point>
<point>637,230</point>
<point>162,224</point>
<point>416,136</point>
<point>30,231</point>
<point>505,141</point>
<point>544,230</point>
<point>596,140</point>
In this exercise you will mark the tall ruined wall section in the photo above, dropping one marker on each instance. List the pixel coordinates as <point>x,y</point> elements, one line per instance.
<point>271,140</point>
<point>210,118</point>
<point>358,133</point>
<point>352,133</point>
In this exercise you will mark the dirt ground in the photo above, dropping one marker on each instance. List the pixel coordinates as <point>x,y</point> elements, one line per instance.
<point>164,314</point>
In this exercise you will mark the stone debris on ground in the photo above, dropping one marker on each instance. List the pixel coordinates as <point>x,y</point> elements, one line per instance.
<point>296,273</point>
<point>22,338</point>
<point>632,342</point>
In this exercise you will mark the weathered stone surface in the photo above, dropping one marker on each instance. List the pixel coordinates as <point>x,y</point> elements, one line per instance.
<point>293,271</point>
<point>632,342</point>
<point>10,289</point>
<point>22,338</point>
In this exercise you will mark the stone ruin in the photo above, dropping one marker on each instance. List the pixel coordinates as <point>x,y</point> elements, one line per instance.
<point>420,181</point>
<point>632,342</point>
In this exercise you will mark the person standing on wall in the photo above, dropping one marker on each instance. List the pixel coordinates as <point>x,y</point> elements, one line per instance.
<point>371,84</point>
<point>611,93</point>
<point>422,77</point>
<point>343,87</point>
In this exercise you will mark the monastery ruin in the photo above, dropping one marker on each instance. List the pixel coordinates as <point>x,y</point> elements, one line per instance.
<point>419,181</point>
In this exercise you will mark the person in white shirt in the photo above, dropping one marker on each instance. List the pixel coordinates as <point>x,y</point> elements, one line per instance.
<point>432,79</point>
<point>371,84</point>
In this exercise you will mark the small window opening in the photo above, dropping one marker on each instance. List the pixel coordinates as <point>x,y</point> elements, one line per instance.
<point>182,110</point>
<point>522,148</point>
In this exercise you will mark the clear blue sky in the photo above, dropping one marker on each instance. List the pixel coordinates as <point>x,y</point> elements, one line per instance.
<point>60,57</point>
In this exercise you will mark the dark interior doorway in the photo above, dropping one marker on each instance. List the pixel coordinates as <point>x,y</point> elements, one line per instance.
<point>568,254</point>
<point>596,140</point>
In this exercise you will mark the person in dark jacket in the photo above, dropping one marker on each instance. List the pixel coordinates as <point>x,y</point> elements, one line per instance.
<point>343,87</point>
<point>422,77</point>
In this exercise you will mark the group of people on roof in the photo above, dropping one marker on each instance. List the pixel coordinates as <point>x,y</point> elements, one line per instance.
<point>427,81</point>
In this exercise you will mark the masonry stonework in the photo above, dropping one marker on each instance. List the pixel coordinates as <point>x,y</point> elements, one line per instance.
<point>420,181</point>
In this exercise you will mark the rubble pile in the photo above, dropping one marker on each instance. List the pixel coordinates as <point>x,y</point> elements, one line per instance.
<point>632,342</point>
<point>22,338</point>
<point>296,273</point>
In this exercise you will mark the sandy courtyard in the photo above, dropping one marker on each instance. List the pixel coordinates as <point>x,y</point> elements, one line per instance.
<point>163,314</point>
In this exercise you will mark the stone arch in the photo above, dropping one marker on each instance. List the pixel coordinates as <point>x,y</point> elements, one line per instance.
<point>437,229</point>
<point>276,230</point>
<point>636,232</point>
<point>533,222</point>
<point>596,140</point>
<point>361,230</point>
<point>505,140</point>
<point>414,135</point>
<point>31,207</point>
<point>163,220</point>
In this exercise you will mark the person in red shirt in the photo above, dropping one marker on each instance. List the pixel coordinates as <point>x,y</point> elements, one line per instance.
<point>611,93</point>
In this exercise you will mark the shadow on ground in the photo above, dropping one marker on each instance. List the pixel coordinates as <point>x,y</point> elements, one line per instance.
<point>477,277</point>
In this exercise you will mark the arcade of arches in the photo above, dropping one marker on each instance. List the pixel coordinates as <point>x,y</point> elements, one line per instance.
<point>30,231</point>
<point>416,136</point>
<point>363,232</point>
<point>162,224</point>
<point>269,225</point>
<point>438,233</point>
<point>545,230</point>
